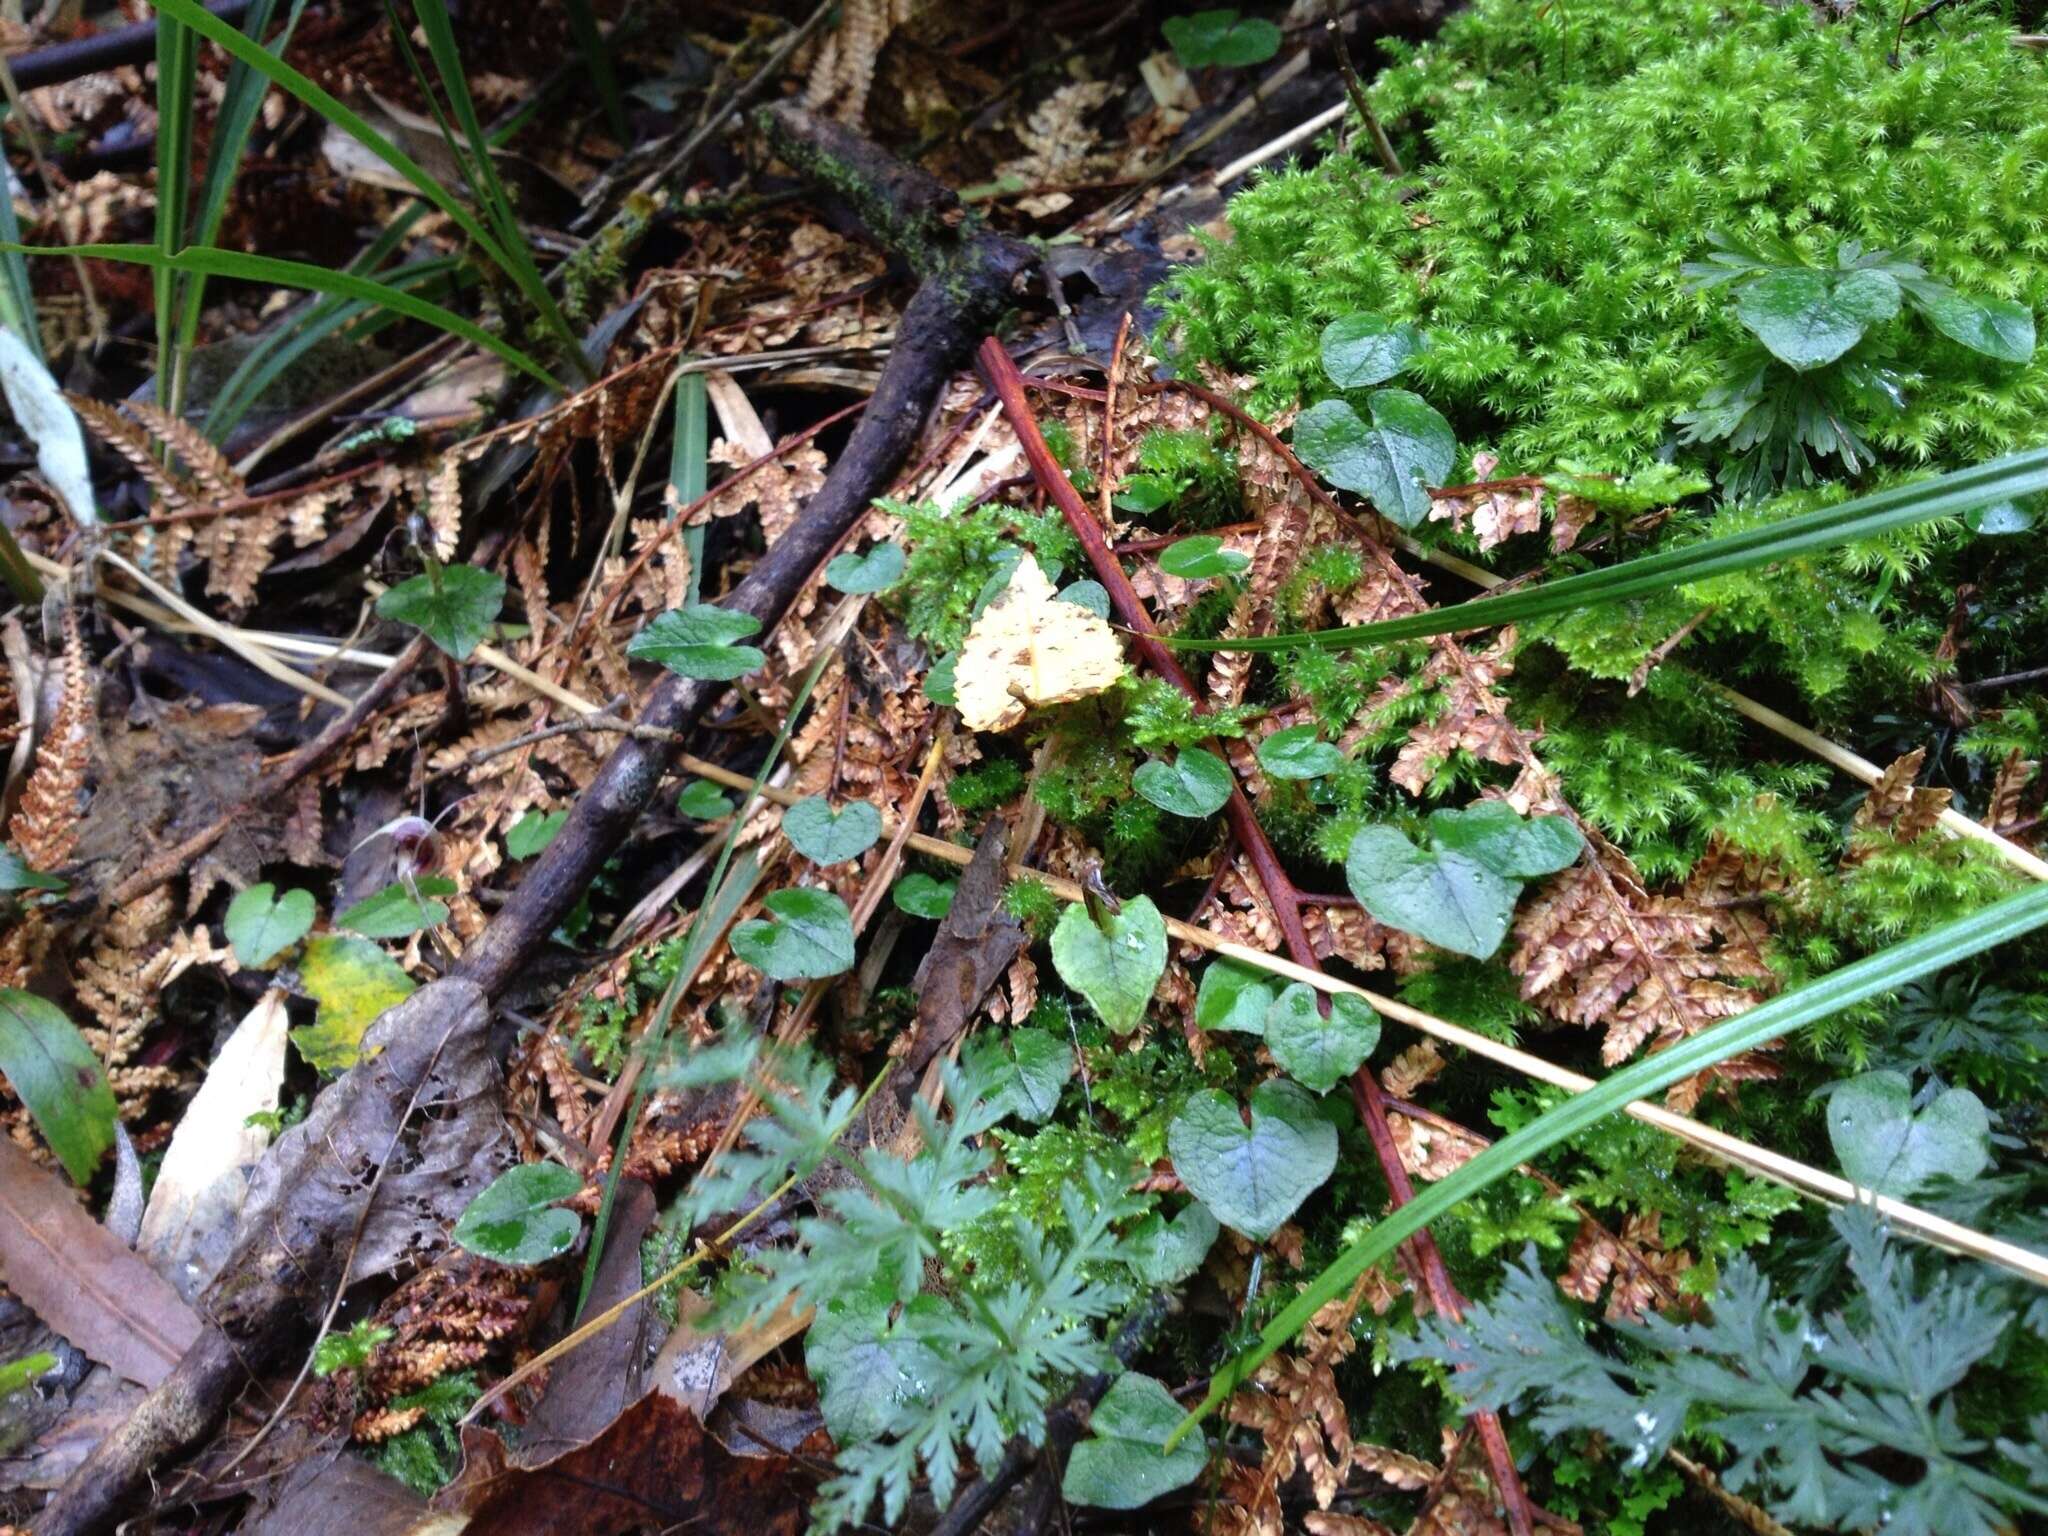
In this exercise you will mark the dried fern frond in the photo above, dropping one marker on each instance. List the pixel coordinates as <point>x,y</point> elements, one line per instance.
<point>44,829</point>
<point>138,446</point>
<point>207,465</point>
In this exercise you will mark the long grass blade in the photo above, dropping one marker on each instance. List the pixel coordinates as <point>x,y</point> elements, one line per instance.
<point>1944,495</point>
<point>175,54</point>
<point>689,465</point>
<point>1852,984</point>
<point>300,274</point>
<point>597,58</point>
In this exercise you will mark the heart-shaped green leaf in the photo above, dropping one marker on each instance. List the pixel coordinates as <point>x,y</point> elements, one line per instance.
<point>1092,595</point>
<point>876,571</point>
<point>922,896</point>
<point>399,909</point>
<point>1123,1464</point>
<point>1519,847</point>
<point>454,607</point>
<point>826,836</point>
<point>1234,997</point>
<point>1195,784</point>
<point>702,800</point>
<point>1808,319</point>
<point>2000,520</point>
<point>1316,1052</point>
<point>533,832</point>
<point>1221,39</point>
<point>1360,350</point>
<point>262,924</point>
<point>1446,897</point>
<point>1996,327</point>
<point>700,642</point>
<point>56,1075</point>
<point>1252,1177</point>
<point>1027,1068</point>
<point>1297,753</point>
<point>353,981</point>
<point>1883,1144</point>
<point>938,681</point>
<point>1201,558</point>
<point>1407,448</point>
<point>1163,1252</point>
<point>808,936</point>
<point>1116,966</point>
<point>516,1220</point>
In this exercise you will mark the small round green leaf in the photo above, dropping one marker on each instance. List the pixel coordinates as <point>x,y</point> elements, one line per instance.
<point>262,924</point>
<point>876,571</point>
<point>1808,319</point>
<point>2001,519</point>
<point>1297,753</point>
<point>1221,39</point>
<point>1252,1177</point>
<point>1886,1145</point>
<point>1201,557</point>
<point>1316,1052</point>
<point>702,800</point>
<point>1124,1464</point>
<point>454,607</point>
<point>1234,997</point>
<point>921,896</point>
<point>1027,1069</point>
<point>807,936</point>
<point>516,1220</point>
<point>1166,1253</point>
<point>1453,901</point>
<point>825,836</point>
<point>1092,595</point>
<point>1519,847</point>
<point>401,908</point>
<point>1195,784</point>
<point>700,642</point>
<point>56,1075</point>
<point>1995,327</point>
<point>1115,966</point>
<point>1359,350</point>
<point>533,832</point>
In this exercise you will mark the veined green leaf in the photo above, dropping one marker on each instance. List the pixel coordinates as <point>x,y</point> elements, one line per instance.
<point>1880,973</point>
<point>2004,479</point>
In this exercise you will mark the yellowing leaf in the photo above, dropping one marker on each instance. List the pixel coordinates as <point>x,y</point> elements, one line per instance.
<point>353,981</point>
<point>1029,649</point>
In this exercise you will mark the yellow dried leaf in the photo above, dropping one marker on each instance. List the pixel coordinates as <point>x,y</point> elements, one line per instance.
<point>1029,649</point>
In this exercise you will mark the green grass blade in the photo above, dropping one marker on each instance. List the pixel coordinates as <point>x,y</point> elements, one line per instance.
<point>1852,984</point>
<point>597,58</point>
<point>689,465</point>
<point>175,55</point>
<point>1944,495</point>
<point>17,298</point>
<point>285,77</point>
<point>299,274</point>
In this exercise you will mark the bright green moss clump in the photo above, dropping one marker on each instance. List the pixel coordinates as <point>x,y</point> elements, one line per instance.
<point>1569,164</point>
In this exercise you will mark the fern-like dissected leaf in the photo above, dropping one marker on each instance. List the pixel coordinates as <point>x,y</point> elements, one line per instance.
<point>1800,1400</point>
<point>137,445</point>
<point>44,829</point>
<point>206,464</point>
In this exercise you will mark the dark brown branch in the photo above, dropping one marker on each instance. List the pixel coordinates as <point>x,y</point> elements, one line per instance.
<point>89,55</point>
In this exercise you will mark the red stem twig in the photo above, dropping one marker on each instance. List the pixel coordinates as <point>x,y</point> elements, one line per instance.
<point>1280,889</point>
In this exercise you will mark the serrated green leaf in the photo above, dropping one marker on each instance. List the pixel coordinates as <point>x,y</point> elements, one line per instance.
<point>1506,842</point>
<point>825,836</point>
<point>807,936</point>
<point>353,981</point>
<point>1995,327</point>
<point>516,1219</point>
<point>921,895</point>
<point>261,924</point>
<point>876,571</point>
<point>700,642</point>
<point>1252,1177</point>
<point>401,908</point>
<point>1234,997</point>
<point>1884,1144</point>
<point>1361,350</point>
<point>56,1075</point>
<point>1115,968</point>
<point>1195,784</point>
<point>533,832</point>
<point>1298,753</point>
<point>1438,894</point>
<point>1163,1252</point>
<point>1201,558</point>
<point>1122,1464</point>
<point>702,800</point>
<point>1316,1052</point>
<point>1808,319</point>
<point>1407,448</point>
<point>454,608</point>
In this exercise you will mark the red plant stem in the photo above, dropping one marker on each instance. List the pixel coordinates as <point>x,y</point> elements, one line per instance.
<point>1002,375</point>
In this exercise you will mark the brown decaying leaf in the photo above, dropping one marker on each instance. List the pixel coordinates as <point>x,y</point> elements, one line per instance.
<point>1895,806</point>
<point>1028,650</point>
<point>83,1281</point>
<point>2007,808</point>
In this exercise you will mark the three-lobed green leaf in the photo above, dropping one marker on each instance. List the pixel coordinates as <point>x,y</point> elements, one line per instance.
<point>454,606</point>
<point>807,936</point>
<point>1195,784</point>
<point>517,1220</point>
<point>56,1075</point>
<point>1407,448</point>
<point>261,925</point>
<point>702,800</point>
<point>533,832</point>
<point>1116,965</point>
<point>701,642</point>
<point>826,836</point>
